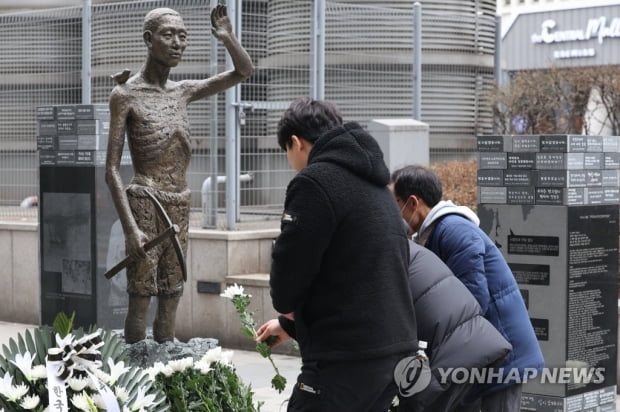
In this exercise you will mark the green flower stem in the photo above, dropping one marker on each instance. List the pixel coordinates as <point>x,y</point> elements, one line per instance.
<point>248,327</point>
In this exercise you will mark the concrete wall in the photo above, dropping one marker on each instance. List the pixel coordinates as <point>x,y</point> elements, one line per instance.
<point>20,291</point>
<point>216,257</point>
<point>225,257</point>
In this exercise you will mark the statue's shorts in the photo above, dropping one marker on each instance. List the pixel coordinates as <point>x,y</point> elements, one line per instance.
<point>160,273</point>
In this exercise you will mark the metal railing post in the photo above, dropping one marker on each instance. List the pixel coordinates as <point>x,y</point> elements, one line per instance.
<point>86,51</point>
<point>417,61</point>
<point>211,219</point>
<point>317,50</point>
<point>497,58</point>
<point>232,129</point>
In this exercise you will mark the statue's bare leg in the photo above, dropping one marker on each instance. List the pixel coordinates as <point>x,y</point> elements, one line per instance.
<point>135,322</point>
<point>163,326</point>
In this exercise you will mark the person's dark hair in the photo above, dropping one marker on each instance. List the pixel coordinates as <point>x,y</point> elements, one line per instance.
<point>307,118</point>
<point>418,181</point>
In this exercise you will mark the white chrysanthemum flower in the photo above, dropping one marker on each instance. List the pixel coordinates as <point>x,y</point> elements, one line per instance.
<point>30,402</point>
<point>6,382</point>
<point>212,355</point>
<point>62,342</point>
<point>104,377</point>
<point>157,368</point>
<point>78,384</point>
<point>121,393</point>
<point>14,393</point>
<point>99,401</point>
<point>166,370</point>
<point>83,402</point>
<point>202,366</point>
<point>93,385</point>
<point>24,363</point>
<point>179,365</point>
<point>217,355</point>
<point>232,291</point>
<point>143,401</point>
<point>116,370</point>
<point>226,357</point>
<point>39,372</point>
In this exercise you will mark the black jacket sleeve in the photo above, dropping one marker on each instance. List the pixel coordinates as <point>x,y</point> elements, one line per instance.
<point>288,326</point>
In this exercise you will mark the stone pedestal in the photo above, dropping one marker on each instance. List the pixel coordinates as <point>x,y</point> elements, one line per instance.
<point>403,141</point>
<point>565,259</point>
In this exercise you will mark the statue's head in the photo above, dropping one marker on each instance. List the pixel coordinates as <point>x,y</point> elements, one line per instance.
<point>165,35</point>
<point>154,18</point>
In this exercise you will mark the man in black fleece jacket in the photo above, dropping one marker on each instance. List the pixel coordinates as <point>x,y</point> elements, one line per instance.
<point>339,266</point>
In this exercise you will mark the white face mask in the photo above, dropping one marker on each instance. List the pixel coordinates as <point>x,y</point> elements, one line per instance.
<point>407,222</point>
<point>402,209</point>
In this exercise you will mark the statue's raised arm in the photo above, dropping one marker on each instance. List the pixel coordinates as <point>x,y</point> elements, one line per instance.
<point>220,23</point>
<point>222,29</point>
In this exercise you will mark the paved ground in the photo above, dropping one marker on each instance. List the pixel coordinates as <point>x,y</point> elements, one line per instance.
<point>251,367</point>
<point>257,371</point>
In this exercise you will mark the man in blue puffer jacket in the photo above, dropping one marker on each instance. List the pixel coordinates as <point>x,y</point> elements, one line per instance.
<point>452,233</point>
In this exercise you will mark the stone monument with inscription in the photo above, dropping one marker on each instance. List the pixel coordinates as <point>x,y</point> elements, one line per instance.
<point>80,234</point>
<point>550,203</point>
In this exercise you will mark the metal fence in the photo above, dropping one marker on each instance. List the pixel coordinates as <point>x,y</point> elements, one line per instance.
<point>366,62</point>
<point>41,64</point>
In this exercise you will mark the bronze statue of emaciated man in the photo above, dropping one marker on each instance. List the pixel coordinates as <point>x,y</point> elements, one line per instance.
<point>152,111</point>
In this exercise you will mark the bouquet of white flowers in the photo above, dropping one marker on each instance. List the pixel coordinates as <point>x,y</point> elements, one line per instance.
<point>68,370</point>
<point>207,385</point>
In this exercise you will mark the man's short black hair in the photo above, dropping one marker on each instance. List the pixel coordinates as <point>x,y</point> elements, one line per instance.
<point>307,118</point>
<point>418,181</point>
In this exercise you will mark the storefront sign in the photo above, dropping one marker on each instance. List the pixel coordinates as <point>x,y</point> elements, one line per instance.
<point>584,36</point>
<point>599,28</point>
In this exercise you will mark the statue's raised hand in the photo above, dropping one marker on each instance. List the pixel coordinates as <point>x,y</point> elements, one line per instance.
<point>220,23</point>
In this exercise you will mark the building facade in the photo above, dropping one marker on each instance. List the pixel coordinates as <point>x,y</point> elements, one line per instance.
<point>509,10</point>
<point>571,37</point>
<point>562,34</point>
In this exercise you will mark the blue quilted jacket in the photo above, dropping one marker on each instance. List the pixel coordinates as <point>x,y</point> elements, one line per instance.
<point>453,235</point>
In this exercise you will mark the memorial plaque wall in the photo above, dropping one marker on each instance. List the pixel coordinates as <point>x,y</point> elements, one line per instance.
<point>80,234</point>
<point>553,212</point>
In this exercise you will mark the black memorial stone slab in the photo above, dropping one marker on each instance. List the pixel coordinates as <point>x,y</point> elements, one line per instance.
<point>565,260</point>
<point>563,143</point>
<point>80,237</point>
<point>494,143</point>
<point>525,143</point>
<point>80,233</point>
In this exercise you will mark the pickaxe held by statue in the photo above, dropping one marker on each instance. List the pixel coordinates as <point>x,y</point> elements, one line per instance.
<point>171,232</point>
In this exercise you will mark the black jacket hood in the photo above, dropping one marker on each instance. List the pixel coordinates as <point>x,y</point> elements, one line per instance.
<point>351,147</point>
